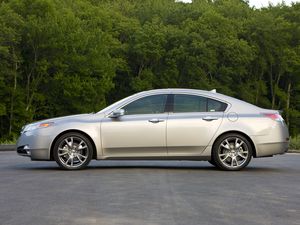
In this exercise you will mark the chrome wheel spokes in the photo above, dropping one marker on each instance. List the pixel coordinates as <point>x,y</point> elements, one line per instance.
<point>73,152</point>
<point>233,152</point>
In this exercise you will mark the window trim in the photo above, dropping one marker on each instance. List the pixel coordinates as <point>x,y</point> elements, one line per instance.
<point>169,106</point>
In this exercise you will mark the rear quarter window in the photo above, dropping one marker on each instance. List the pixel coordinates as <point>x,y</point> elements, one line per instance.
<point>215,106</point>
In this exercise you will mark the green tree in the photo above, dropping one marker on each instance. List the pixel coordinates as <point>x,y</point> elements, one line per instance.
<point>10,60</point>
<point>60,57</point>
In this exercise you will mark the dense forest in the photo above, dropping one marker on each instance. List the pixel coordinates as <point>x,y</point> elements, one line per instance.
<point>60,57</point>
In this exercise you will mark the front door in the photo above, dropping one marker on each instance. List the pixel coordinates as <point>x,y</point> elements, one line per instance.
<point>141,132</point>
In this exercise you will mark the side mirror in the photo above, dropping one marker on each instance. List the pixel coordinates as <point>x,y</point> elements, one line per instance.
<point>117,113</point>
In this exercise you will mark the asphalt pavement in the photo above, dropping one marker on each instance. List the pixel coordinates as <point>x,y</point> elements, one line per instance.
<point>149,193</point>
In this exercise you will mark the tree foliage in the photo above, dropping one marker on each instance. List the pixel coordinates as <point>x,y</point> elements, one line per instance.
<point>60,57</point>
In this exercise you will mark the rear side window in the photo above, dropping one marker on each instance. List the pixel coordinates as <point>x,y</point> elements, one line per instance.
<point>147,105</point>
<point>189,103</point>
<point>193,103</point>
<point>215,106</point>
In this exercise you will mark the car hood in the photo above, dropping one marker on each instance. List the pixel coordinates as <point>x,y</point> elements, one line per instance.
<point>71,118</point>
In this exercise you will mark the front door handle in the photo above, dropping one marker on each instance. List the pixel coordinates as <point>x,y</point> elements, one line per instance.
<point>155,120</point>
<point>210,118</point>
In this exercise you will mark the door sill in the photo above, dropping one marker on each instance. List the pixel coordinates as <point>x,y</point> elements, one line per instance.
<point>188,158</point>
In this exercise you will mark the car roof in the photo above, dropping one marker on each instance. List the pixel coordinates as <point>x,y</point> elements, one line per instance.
<point>174,90</point>
<point>211,93</point>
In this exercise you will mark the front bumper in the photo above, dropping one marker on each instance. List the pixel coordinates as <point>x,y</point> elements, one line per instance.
<point>35,144</point>
<point>24,150</point>
<point>34,154</point>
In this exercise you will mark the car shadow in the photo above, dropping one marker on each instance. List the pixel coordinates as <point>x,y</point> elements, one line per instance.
<point>148,165</point>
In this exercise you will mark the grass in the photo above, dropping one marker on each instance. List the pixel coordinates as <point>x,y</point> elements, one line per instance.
<point>295,143</point>
<point>8,142</point>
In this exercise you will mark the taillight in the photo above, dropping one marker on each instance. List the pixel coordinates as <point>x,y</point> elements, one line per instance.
<point>273,116</point>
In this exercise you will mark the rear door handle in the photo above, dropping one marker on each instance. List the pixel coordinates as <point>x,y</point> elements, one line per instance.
<point>210,118</point>
<point>156,120</point>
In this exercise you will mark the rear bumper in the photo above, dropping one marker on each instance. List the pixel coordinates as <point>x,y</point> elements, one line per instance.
<point>275,142</point>
<point>269,149</point>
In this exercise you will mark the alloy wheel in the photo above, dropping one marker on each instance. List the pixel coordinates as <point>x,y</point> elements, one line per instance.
<point>233,152</point>
<point>73,152</point>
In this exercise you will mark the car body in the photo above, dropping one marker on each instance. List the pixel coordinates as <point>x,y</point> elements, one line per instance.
<point>160,124</point>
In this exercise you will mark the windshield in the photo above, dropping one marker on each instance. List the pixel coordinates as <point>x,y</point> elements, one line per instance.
<point>112,106</point>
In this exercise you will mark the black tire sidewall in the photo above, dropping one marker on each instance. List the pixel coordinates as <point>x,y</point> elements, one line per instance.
<point>212,162</point>
<point>216,145</point>
<point>72,134</point>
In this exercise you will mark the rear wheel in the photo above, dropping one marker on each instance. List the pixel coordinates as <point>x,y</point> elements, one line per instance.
<point>212,162</point>
<point>73,151</point>
<point>232,152</point>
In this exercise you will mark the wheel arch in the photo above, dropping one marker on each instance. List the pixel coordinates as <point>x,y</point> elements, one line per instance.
<point>241,133</point>
<point>76,131</point>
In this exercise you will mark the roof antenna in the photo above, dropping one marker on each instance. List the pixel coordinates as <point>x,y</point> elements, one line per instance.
<point>213,91</point>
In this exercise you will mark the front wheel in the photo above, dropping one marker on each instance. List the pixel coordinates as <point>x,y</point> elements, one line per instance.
<point>232,152</point>
<point>73,151</point>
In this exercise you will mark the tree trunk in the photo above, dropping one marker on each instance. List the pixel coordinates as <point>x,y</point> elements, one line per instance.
<point>12,100</point>
<point>30,77</point>
<point>287,118</point>
<point>258,87</point>
<point>272,87</point>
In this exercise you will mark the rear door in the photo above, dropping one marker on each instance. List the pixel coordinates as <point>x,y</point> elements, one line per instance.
<point>192,123</point>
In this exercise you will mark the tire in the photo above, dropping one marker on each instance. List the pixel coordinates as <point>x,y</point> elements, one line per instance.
<point>73,151</point>
<point>232,152</point>
<point>212,162</point>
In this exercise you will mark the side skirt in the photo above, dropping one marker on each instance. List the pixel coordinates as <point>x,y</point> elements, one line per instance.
<point>188,158</point>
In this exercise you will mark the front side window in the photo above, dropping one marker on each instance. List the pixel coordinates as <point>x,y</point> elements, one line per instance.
<point>148,105</point>
<point>194,103</point>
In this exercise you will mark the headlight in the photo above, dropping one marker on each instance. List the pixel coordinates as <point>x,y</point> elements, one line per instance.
<point>31,127</point>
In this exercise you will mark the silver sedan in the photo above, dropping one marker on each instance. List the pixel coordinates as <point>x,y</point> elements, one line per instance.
<point>164,124</point>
